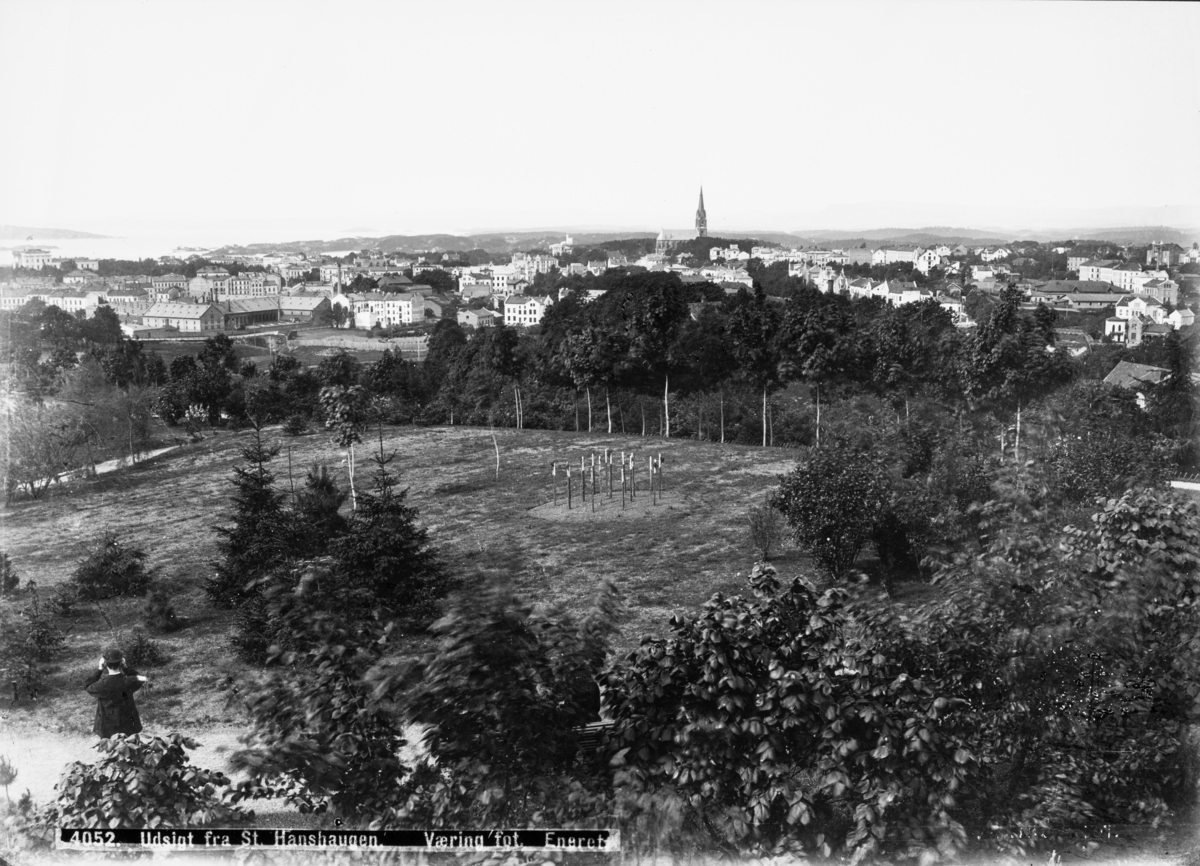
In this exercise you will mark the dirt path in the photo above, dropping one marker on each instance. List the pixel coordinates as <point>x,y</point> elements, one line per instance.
<point>41,753</point>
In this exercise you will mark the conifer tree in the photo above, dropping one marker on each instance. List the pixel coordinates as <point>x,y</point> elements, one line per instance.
<point>259,538</point>
<point>317,506</point>
<point>384,559</point>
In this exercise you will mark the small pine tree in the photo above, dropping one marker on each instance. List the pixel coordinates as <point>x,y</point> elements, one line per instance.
<point>384,559</point>
<point>113,567</point>
<point>317,511</point>
<point>260,536</point>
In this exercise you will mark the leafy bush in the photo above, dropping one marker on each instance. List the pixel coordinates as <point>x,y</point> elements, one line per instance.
<point>500,699</point>
<point>318,735</point>
<point>1055,643</point>
<point>295,424</point>
<point>143,782</point>
<point>112,567</point>
<point>9,581</point>
<point>160,612</point>
<point>771,729</point>
<point>833,502</point>
<point>766,530</point>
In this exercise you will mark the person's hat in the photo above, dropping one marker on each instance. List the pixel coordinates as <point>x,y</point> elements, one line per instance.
<point>113,656</point>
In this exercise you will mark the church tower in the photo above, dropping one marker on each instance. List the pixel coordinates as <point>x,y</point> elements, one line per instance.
<point>701,218</point>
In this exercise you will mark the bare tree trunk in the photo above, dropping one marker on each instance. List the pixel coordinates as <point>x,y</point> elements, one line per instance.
<point>818,415</point>
<point>666,406</point>
<point>350,468</point>
<point>771,423</point>
<point>722,417</point>
<point>764,417</point>
<point>589,399</point>
<point>1017,443</point>
<point>608,408</point>
<point>642,406</point>
<point>576,411</point>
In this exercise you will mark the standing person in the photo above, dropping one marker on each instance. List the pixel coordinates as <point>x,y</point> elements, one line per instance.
<point>113,684</point>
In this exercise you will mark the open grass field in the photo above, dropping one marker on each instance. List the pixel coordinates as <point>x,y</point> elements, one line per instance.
<point>667,556</point>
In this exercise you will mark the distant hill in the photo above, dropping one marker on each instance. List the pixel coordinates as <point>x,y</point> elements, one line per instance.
<point>508,242</point>
<point>1138,235</point>
<point>497,242</point>
<point>21,233</point>
<point>934,233</point>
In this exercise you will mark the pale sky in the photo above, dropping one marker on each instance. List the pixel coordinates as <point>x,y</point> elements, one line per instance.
<point>308,119</point>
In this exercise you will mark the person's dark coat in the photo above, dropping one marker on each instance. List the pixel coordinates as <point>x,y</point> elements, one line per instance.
<point>116,713</point>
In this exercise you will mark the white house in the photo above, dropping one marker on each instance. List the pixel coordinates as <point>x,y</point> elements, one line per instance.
<point>476,318</point>
<point>522,310</point>
<point>927,260</point>
<point>895,256</point>
<point>33,258</point>
<point>1181,318</point>
<point>387,309</point>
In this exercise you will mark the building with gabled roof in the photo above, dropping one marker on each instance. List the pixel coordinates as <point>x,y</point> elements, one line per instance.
<point>524,310</point>
<point>185,317</point>
<point>1137,376</point>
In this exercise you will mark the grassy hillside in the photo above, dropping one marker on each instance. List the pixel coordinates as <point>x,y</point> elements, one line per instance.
<point>667,556</point>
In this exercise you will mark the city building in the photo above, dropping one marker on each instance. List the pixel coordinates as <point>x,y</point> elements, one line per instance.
<point>522,310</point>
<point>34,259</point>
<point>476,318</point>
<point>185,317</point>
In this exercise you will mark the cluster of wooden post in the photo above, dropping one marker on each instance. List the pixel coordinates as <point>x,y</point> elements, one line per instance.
<point>593,469</point>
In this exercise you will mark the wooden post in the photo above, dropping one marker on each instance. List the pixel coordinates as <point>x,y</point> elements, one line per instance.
<point>622,484</point>
<point>650,476</point>
<point>554,480</point>
<point>610,475</point>
<point>568,488</point>
<point>593,490</point>
<point>660,487</point>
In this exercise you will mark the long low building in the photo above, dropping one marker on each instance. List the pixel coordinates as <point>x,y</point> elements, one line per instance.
<point>185,317</point>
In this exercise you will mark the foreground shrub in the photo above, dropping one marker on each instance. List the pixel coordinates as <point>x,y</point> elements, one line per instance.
<point>500,699</point>
<point>142,782</point>
<point>1078,657</point>
<point>317,735</point>
<point>768,730</point>
<point>112,567</point>
<point>833,502</point>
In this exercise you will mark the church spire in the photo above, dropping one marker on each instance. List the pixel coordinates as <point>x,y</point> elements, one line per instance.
<point>701,217</point>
